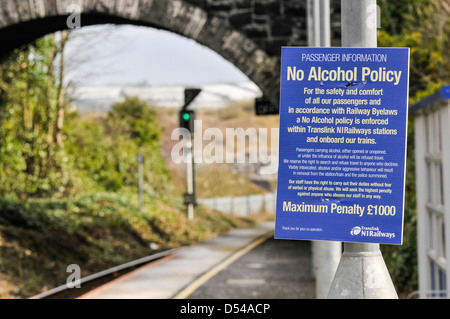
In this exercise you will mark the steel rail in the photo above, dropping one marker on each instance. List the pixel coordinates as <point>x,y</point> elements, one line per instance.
<point>96,280</point>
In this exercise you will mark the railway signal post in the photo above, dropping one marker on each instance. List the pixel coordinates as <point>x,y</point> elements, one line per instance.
<point>187,120</point>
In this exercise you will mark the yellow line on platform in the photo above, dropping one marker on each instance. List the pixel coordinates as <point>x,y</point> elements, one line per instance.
<point>186,292</point>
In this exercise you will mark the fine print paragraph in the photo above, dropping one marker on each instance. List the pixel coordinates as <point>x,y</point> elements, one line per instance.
<point>349,120</point>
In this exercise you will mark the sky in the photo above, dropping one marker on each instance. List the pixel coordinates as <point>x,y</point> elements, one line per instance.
<point>126,54</point>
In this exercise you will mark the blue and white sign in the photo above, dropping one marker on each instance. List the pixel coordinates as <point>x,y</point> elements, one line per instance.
<point>446,92</point>
<point>343,120</point>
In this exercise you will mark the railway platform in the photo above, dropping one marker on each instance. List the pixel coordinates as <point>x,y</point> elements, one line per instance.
<point>242,263</point>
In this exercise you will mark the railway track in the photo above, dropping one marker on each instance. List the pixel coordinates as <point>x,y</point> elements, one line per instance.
<point>96,280</point>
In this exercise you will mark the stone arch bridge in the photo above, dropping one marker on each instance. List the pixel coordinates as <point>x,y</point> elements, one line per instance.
<point>248,33</point>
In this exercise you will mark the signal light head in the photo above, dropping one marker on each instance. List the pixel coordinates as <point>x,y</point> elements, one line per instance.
<point>186,116</point>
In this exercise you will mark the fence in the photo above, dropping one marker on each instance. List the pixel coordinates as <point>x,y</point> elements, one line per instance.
<point>244,205</point>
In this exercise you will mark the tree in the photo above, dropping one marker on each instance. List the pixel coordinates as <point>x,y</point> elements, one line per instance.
<point>31,163</point>
<point>135,120</point>
<point>424,27</point>
<point>60,96</point>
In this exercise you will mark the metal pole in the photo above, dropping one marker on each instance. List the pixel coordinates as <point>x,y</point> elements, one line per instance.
<point>325,27</point>
<point>310,22</point>
<point>140,160</point>
<point>362,272</point>
<point>316,23</point>
<point>356,23</point>
<point>326,254</point>
<point>190,177</point>
<point>232,205</point>
<point>248,205</point>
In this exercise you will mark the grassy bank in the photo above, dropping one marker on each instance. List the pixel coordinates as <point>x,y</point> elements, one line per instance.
<point>39,238</point>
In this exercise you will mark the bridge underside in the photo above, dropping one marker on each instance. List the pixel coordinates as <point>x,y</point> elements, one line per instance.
<point>249,34</point>
<point>21,34</point>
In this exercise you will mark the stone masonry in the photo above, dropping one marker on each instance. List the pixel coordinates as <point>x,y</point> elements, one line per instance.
<point>248,33</point>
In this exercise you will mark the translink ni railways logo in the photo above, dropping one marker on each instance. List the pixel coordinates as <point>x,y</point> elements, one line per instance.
<point>370,232</point>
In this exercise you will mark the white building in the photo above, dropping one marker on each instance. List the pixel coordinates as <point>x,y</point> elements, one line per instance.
<point>216,95</point>
<point>432,147</point>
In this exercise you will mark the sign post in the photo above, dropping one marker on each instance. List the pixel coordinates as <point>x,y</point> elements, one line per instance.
<point>375,279</point>
<point>343,115</point>
<point>325,254</point>
<point>140,161</point>
<point>187,120</point>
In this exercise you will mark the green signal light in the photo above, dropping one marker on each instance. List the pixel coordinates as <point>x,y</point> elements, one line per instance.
<point>186,116</point>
